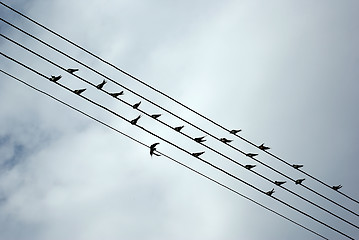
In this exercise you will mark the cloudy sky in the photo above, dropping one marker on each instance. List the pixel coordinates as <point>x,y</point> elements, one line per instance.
<point>285,72</point>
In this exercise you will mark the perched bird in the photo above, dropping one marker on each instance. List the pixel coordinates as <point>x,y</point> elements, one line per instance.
<point>251,154</point>
<point>153,149</point>
<point>134,121</point>
<point>336,188</point>
<point>269,193</point>
<point>72,70</point>
<point>155,116</point>
<point>197,154</point>
<point>115,95</point>
<point>199,139</point>
<point>296,166</point>
<point>225,140</point>
<point>100,86</point>
<point>249,167</point>
<point>79,91</point>
<point>54,78</point>
<point>178,129</point>
<point>299,181</point>
<point>279,182</point>
<point>234,131</point>
<point>262,147</point>
<point>136,105</point>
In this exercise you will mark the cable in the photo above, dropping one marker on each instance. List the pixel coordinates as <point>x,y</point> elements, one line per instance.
<point>184,150</point>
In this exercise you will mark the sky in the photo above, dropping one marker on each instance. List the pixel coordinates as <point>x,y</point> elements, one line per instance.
<point>285,72</point>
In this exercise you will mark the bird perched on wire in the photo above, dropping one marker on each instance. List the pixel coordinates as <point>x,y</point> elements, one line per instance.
<point>225,140</point>
<point>249,167</point>
<point>199,139</point>
<point>100,86</point>
<point>153,149</point>
<point>134,121</point>
<point>269,193</point>
<point>299,181</point>
<point>178,129</point>
<point>155,116</point>
<point>336,188</point>
<point>115,95</point>
<point>197,154</point>
<point>55,78</point>
<point>251,154</point>
<point>297,166</point>
<point>262,147</point>
<point>136,105</point>
<point>72,70</point>
<point>279,183</point>
<point>234,131</point>
<point>79,91</point>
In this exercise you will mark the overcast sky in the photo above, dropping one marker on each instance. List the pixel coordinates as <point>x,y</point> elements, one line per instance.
<point>285,72</point>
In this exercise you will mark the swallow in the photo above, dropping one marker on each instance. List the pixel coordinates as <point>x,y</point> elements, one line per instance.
<point>234,131</point>
<point>153,149</point>
<point>336,188</point>
<point>251,154</point>
<point>299,181</point>
<point>79,91</point>
<point>136,105</point>
<point>269,193</point>
<point>262,147</point>
<point>72,70</point>
<point>197,154</point>
<point>279,182</point>
<point>115,95</point>
<point>155,116</point>
<point>249,167</point>
<point>100,86</point>
<point>296,166</point>
<point>134,121</point>
<point>178,129</point>
<point>54,78</point>
<point>199,139</point>
<point>225,140</point>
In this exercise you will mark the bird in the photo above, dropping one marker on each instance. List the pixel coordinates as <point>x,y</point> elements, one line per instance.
<point>336,188</point>
<point>225,140</point>
<point>251,154</point>
<point>155,116</point>
<point>178,129</point>
<point>134,121</point>
<point>136,105</point>
<point>262,147</point>
<point>72,70</point>
<point>100,86</point>
<point>79,91</point>
<point>199,139</point>
<point>249,167</point>
<point>279,182</point>
<point>54,78</point>
<point>197,154</point>
<point>299,181</point>
<point>234,131</point>
<point>296,166</point>
<point>153,149</point>
<point>115,95</point>
<point>269,193</point>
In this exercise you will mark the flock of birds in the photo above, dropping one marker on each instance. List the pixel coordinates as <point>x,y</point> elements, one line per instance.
<point>179,128</point>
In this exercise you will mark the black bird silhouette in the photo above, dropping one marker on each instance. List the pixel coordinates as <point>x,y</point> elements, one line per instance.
<point>72,70</point>
<point>136,105</point>
<point>178,129</point>
<point>79,91</point>
<point>200,139</point>
<point>249,166</point>
<point>225,140</point>
<point>155,116</point>
<point>100,86</point>
<point>134,121</point>
<point>262,147</point>
<point>153,149</point>
<point>269,193</point>
<point>197,154</point>
<point>336,188</point>
<point>299,181</point>
<point>55,78</point>
<point>251,154</point>
<point>279,182</point>
<point>296,166</point>
<point>115,95</point>
<point>234,131</point>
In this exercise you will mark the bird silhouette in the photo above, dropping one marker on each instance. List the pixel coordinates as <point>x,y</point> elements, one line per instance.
<point>72,70</point>
<point>136,105</point>
<point>262,147</point>
<point>249,167</point>
<point>197,154</point>
<point>225,140</point>
<point>115,95</point>
<point>100,86</point>
<point>299,181</point>
<point>79,91</point>
<point>269,193</point>
<point>336,188</point>
<point>296,166</point>
<point>155,116</point>
<point>199,139</point>
<point>55,78</point>
<point>279,182</point>
<point>178,129</point>
<point>153,149</point>
<point>251,154</point>
<point>134,121</point>
<point>234,131</point>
